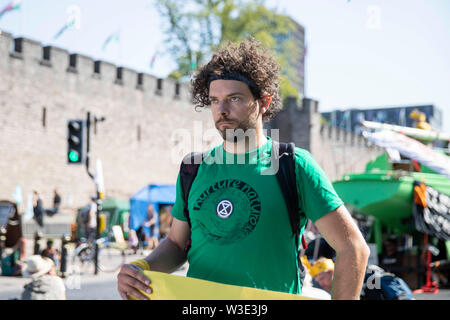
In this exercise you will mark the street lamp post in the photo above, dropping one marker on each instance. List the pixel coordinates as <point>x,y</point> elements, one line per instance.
<point>99,196</point>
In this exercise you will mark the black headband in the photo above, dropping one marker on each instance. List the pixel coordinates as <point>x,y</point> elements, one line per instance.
<point>235,76</point>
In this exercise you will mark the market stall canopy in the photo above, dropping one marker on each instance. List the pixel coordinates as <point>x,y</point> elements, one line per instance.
<point>154,194</point>
<point>118,211</point>
<point>412,149</point>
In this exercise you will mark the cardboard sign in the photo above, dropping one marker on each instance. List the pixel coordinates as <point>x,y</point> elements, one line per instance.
<point>172,287</point>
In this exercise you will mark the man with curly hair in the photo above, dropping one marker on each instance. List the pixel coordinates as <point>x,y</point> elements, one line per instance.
<point>239,231</point>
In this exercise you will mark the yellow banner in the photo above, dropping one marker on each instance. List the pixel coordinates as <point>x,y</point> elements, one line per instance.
<point>171,287</point>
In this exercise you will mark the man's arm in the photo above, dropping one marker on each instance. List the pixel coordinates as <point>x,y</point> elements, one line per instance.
<point>167,257</point>
<point>352,252</point>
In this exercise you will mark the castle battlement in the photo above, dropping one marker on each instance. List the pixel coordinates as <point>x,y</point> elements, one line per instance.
<point>26,56</point>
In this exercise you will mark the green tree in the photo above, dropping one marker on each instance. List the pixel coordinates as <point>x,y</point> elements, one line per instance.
<point>196,28</point>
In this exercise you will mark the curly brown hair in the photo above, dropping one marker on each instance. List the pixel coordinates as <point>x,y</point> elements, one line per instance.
<point>249,59</point>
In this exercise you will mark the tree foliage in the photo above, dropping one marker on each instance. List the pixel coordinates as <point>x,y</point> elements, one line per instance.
<point>196,28</point>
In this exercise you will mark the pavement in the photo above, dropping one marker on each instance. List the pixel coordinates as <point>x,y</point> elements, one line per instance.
<point>103,286</point>
<point>86,286</point>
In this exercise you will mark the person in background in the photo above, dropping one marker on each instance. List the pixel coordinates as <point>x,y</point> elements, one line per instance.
<point>91,226</point>
<point>311,287</point>
<point>322,271</point>
<point>45,284</point>
<point>145,233</point>
<point>56,204</point>
<point>391,259</point>
<point>165,221</point>
<point>38,209</point>
<point>51,252</point>
<point>150,222</point>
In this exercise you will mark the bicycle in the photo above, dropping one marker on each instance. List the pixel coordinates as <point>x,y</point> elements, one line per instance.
<point>111,255</point>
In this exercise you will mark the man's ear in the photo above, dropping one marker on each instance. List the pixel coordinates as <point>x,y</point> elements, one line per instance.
<point>265,103</point>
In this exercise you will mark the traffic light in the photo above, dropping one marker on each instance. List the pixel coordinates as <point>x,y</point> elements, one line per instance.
<point>75,139</point>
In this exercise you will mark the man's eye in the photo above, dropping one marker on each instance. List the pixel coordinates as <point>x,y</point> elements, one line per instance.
<point>213,101</point>
<point>235,99</point>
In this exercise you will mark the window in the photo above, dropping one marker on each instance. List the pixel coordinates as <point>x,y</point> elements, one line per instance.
<point>159,84</point>
<point>97,67</point>
<point>44,116</point>
<point>140,79</point>
<point>46,53</point>
<point>18,45</point>
<point>73,61</point>
<point>119,73</point>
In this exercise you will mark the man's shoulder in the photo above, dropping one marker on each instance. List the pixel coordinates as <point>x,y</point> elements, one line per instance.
<point>302,155</point>
<point>198,157</point>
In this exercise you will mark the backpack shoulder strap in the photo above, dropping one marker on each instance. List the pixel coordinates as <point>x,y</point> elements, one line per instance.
<point>188,172</point>
<point>287,180</point>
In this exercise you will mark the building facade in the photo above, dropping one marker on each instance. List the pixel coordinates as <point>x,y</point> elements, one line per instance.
<point>350,119</point>
<point>295,53</point>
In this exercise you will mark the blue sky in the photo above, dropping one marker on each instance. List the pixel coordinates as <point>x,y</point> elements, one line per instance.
<point>361,53</point>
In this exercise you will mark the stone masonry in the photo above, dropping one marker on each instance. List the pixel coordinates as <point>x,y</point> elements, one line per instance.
<point>137,143</point>
<point>149,126</point>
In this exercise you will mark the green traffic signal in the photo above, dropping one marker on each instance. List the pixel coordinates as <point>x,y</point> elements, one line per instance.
<point>73,156</point>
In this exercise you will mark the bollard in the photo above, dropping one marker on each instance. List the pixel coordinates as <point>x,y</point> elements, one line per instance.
<point>2,241</point>
<point>37,238</point>
<point>63,268</point>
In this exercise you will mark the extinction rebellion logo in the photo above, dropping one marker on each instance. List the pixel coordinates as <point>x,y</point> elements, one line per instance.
<point>224,209</point>
<point>227,211</point>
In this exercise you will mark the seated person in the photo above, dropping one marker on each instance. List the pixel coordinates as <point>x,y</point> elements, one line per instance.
<point>381,285</point>
<point>146,232</point>
<point>310,287</point>
<point>45,284</point>
<point>322,271</point>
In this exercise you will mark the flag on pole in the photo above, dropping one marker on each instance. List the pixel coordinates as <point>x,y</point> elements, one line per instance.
<point>17,195</point>
<point>13,5</point>
<point>112,37</point>
<point>152,61</point>
<point>74,20</point>
<point>99,181</point>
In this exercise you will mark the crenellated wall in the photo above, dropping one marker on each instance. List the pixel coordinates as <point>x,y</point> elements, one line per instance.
<point>135,142</point>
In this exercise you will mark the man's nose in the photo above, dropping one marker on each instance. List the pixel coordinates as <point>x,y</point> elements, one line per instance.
<point>223,107</point>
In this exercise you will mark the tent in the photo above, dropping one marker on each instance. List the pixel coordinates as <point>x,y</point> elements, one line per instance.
<point>116,212</point>
<point>154,194</point>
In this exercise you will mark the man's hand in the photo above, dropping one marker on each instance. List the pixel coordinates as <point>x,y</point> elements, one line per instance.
<point>129,280</point>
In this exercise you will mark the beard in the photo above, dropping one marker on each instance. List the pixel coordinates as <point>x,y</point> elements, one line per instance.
<point>237,131</point>
<point>241,128</point>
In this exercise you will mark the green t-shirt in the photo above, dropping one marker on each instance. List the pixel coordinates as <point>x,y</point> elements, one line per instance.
<point>241,234</point>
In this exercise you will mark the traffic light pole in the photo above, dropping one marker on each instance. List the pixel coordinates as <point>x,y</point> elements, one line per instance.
<point>98,200</point>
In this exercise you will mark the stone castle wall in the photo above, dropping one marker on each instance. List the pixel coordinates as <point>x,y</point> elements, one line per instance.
<point>140,141</point>
<point>135,143</point>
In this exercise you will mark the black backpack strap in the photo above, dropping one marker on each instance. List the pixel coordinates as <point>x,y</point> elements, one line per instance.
<point>188,172</point>
<point>287,180</point>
